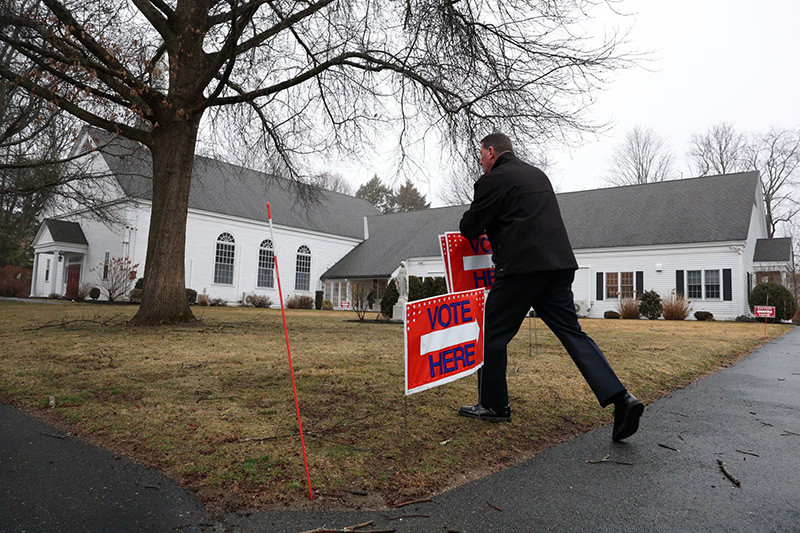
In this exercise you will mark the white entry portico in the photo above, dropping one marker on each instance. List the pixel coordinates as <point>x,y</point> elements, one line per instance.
<point>59,254</point>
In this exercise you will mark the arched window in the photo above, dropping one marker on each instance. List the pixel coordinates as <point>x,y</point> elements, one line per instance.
<point>266,265</point>
<point>223,261</point>
<point>302,278</point>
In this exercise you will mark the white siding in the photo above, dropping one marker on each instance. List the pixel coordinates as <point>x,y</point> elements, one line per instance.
<point>719,256</point>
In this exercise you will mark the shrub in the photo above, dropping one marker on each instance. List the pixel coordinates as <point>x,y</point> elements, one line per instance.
<point>439,285</point>
<point>135,295</point>
<point>259,300</point>
<point>202,300</point>
<point>299,301</point>
<point>415,289</point>
<point>82,292</point>
<point>744,318</point>
<point>650,305</point>
<point>676,307</point>
<point>94,294</point>
<point>628,308</point>
<point>390,297</point>
<point>115,276</point>
<point>217,302</point>
<point>139,283</point>
<point>327,305</point>
<point>318,300</point>
<point>778,295</point>
<point>611,314</point>
<point>191,296</point>
<point>15,281</point>
<point>54,296</point>
<point>703,316</point>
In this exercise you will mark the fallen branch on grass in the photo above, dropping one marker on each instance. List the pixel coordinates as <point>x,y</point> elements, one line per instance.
<point>668,447</point>
<point>412,502</point>
<point>724,468</point>
<point>64,323</point>
<point>787,433</point>
<point>350,529</point>
<point>53,435</point>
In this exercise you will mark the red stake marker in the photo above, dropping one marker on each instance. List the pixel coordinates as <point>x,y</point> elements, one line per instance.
<point>289,351</point>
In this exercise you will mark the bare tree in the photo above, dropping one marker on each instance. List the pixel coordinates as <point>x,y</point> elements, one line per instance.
<point>643,157</point>
<point>36,173</point>
<point>720,150</point>
<point>116,276</point>
<point>776,155</point>
<point>293,78</point>
<point>332,182</point>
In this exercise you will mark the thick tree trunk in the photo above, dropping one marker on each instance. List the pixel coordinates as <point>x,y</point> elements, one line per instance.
<point>164,297</point>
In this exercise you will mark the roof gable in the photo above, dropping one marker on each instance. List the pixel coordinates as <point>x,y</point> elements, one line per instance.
<point>220,187</point>
<point>63,231</point>
<point>773,250</point>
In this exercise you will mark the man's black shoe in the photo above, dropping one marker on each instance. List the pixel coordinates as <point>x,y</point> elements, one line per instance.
<point>627,412</point>
<point>492,414</point>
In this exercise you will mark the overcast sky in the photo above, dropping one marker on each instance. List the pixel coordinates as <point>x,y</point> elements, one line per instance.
<point>710,61</point>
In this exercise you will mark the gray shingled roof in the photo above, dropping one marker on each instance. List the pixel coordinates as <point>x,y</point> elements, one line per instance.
<point>229,189</point>
<point>708,209</point>
<point>768,250</point>
<point>63,231</point>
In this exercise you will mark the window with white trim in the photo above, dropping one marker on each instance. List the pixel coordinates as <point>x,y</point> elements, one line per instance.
<point>224,258</point>
<point>266,265</point>
<point>302,278</point>
<point>712,284</point>
<point>47,271</point>
<point>620,285</point>
<point>703,284</point>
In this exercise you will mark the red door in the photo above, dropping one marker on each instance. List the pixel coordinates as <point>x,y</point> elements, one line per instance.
<point>73,280</point>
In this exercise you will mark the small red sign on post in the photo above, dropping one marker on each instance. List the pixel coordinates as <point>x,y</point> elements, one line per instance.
<point>468,262</point>
<point>345,304</point>
<point>765,311</point>
<point>443,339</point>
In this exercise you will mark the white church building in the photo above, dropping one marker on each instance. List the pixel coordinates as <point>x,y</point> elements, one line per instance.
<point>704,237</point>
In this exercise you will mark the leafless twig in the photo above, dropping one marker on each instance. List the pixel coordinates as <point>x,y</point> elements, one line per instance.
<point>607,459</point>
<point>412,502</point>
<point>668,447</point>
<point>493,506</point>
<point>724,468</point>
<point>748,453</point>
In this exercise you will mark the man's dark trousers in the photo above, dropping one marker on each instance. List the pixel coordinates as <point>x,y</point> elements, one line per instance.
<point>550,295</point>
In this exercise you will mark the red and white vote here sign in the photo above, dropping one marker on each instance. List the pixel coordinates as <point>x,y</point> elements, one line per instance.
<point>765,311</point>
<point>468,262</point>
<point>443,338</point>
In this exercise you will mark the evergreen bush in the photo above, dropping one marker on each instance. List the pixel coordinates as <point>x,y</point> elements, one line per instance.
<point>327,305</point>
<point>778,296</point>
<point>650,305</point>
<point>703,316</point>
<point>318,300</point>
<point>390,297</point>
<point>191,296</point>
<point>611,314</point>
<point>415,289</point>
<point>94,293</point>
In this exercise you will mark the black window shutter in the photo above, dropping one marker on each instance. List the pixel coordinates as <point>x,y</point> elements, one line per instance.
<point>679,282</point>
<point>639,283</point>
<point>727,293</point>
<point>600,287</point>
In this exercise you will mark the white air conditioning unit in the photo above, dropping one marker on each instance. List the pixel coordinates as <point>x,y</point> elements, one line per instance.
<point>582,307</point>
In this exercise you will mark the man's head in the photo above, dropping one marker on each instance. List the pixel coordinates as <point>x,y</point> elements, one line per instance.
<point>493,146</point>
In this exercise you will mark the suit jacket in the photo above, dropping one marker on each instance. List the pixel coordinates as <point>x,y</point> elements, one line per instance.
<point>515,205</point>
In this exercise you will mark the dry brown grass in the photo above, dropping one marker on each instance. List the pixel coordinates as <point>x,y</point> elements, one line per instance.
<point>187,399</point>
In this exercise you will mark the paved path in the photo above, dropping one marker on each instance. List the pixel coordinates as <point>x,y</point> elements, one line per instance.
<point>747,415</point>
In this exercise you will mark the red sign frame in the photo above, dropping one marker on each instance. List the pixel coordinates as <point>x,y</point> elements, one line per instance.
<point>765,311</point>
<point>443,339</point>
<point>468,262</point>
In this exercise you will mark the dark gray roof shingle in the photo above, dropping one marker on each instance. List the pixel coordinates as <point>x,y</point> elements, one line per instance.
<point>63,231</point>
<point>708,209</point>
<point>769,250</point>
<point>224,188</point>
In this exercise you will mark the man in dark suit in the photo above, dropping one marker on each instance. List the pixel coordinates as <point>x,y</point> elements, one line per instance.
<point>514,204</point>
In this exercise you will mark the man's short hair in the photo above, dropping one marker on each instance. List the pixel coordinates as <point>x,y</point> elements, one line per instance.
<point>499,141</point>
